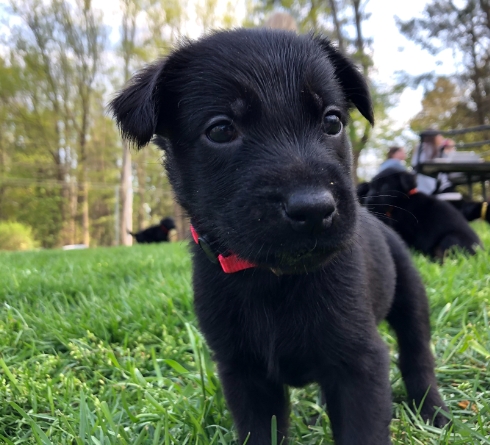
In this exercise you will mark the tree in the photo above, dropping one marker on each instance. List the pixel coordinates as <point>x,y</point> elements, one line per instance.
<point>85,36</point>
<point>462,27</point>
<point>56,47</point>
<point>129,51</point>
<point>60,155</point>
<point>445,106</point>
<point>440,107</point>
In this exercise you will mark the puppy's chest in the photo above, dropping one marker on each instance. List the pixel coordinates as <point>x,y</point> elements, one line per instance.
<point>289,335</point>
<point>287,345</point>
<point>289,328</point>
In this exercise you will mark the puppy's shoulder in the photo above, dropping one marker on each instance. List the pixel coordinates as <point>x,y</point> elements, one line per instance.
<point>369,226</point>
<point>377,237</point>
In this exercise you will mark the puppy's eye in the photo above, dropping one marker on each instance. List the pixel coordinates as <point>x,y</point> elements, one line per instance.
<point>332,124</point>
<point>222,132</point>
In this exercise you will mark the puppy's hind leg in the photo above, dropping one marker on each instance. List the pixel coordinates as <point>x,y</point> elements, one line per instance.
<point>452,242</point>
<point>253,400</point>
<point>409,317</point>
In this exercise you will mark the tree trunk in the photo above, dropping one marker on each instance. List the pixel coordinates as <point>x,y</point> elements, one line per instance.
<point>359,38</point>
<point>65,235</point>
<point>130,12</point>
<point>3,169</point>
<point>359,144</point>
<point>355,164</point>
<point>337,25</point>
<point>85,96</point>
<point>476,77</point>
<point>72,226</point>
<point>126,198</point>
<point>141,173</point>
<point>485,6</point>
<point>85,215</point>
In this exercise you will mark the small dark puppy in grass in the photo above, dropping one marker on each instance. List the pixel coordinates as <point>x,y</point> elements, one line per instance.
<point>291,275</point>
<point>165,231</point>
<point>429,225</point>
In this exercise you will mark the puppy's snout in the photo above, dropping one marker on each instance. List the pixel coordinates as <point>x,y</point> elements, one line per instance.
<point>309,211</point>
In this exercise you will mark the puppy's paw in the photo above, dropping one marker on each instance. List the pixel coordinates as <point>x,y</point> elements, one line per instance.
<point>437,414</point>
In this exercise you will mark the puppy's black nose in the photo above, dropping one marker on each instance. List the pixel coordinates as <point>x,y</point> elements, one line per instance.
<point>309,211</point>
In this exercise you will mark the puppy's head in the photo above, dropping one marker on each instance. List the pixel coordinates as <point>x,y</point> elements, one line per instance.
<point>168,223</point>
<point>253,126</point>
<point>387,187</point>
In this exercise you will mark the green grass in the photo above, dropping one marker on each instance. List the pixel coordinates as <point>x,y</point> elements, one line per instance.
<point>101,347</point>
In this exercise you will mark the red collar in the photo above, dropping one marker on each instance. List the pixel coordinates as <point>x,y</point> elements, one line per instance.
<point>413,191</point>
<point>230,263</point>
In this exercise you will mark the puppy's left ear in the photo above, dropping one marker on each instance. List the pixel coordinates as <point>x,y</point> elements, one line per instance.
<point>135,107</point>
<point>353,84</point>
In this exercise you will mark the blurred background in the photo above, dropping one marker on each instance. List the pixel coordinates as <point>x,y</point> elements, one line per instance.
<point>67,178</point>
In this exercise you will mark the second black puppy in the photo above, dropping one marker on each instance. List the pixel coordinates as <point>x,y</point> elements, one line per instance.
<point>165,231</point>
<point>291,276</point>
<point>426,223</point>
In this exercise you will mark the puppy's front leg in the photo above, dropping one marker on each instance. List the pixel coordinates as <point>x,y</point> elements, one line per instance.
<point>253,400</point>
<point>359,398</point>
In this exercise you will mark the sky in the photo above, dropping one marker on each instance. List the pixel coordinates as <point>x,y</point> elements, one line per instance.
<point>393,52</point>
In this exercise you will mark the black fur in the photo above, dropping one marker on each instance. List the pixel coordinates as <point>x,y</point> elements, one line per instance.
<point>280,194</point>
<point>155,234</point>
<point>426,223</point>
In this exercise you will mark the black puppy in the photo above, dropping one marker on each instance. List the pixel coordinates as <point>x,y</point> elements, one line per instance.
<point>425,223</point>
<point>165,231</point>
<point>291,276</point>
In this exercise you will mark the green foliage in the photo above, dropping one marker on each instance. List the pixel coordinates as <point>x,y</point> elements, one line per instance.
<point>57,73</point>
<point>464,28</point>
<point>446,107</point>
<point>16,236</point>
<point>100,346</point>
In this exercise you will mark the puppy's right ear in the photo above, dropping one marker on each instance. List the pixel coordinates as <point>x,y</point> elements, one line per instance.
<point>408,181</point>
<point>353,83</point>
<point>135,107</point>
<point>362,190</point>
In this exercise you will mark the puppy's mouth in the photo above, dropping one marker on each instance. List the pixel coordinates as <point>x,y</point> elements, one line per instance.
<point>302,260</point>
<point>285,250</point>
<point>294,257</point>
<point>292,235</point>
<point>298,257</point>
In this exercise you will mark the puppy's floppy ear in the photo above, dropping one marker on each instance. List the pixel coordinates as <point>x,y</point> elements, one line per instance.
<point>353,84</point>
<point>135,107</point>
<point>408,181</point>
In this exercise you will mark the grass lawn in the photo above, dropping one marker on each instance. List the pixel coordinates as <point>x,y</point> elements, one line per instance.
<point>101,347</point>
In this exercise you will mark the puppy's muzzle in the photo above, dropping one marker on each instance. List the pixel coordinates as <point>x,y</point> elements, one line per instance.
<point>309,211</point>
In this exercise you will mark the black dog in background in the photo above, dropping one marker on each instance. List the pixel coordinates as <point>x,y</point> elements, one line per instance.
<point>165,231</point>
<point>291,275</point>
<point>427,224</point>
